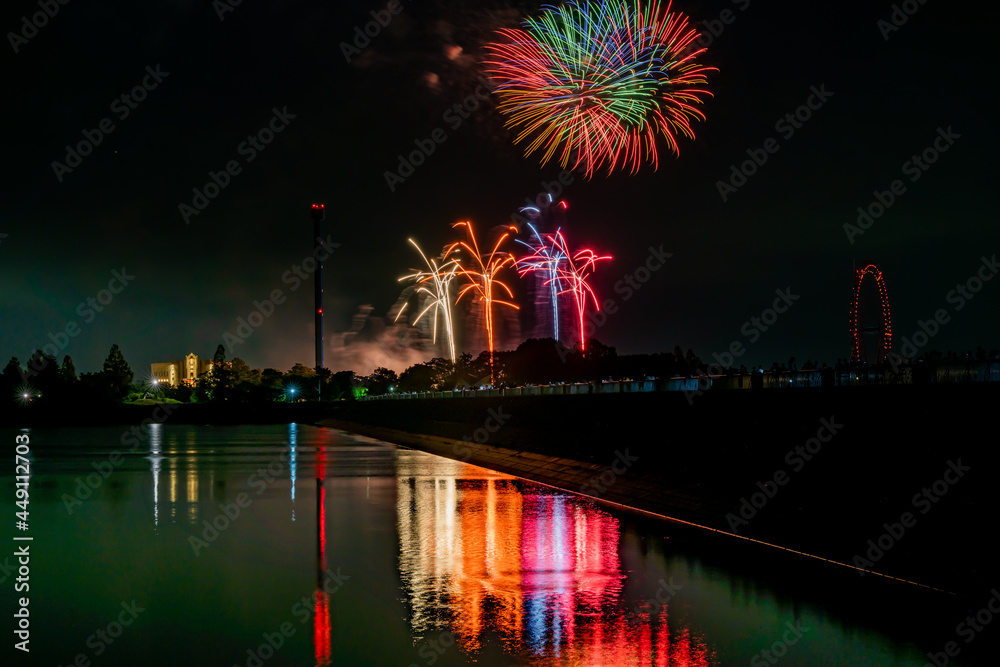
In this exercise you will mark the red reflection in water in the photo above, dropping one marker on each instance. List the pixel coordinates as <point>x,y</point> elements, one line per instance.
<point>321,628</point>
<point>320,462</point>
<point>321,612</point>
<point>540,570</point>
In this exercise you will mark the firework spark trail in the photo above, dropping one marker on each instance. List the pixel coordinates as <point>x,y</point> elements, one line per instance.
<point>546,261</point>
<point>482,277</point>
<point>597,82</point>
<point>440,277</point>
<point>573,270</point>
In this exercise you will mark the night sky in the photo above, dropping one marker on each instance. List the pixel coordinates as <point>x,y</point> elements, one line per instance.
<point>220,81</point>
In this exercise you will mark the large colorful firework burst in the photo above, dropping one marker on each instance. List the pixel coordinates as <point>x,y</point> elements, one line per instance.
<point>594,83</point>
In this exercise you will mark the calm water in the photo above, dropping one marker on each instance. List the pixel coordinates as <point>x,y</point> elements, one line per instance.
<point>350,551</point>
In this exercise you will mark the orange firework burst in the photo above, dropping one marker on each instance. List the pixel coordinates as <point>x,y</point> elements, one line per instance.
<point>482,277</point>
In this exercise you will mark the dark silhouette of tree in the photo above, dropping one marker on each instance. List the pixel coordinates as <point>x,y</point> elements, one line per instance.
<point>180,393</point>
<point>418,377</point>
<point>241,372</point>
<point>340,386</point>
<point>536,361</point>
<point>271,377</point>
<point>682,365</point>
<point>46,382</point>
<point>12,369</point>
<point>13,374</point>
<point>303,380</point>
<point>10,380</point>
<point>118,373</point>
<point>220,381</point>
<point>302,371</point>
<point>480,369</point>
<point>99,390</point>
<point>462,374</point>
<point>68,371</point>
<point>600,362</point>
<point>380,380</point>
<point>693,362</point>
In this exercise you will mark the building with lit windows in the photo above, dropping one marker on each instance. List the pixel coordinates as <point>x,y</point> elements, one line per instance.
<point>187,371</point>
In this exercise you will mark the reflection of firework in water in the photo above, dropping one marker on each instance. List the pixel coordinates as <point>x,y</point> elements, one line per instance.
<point>439,277</point>
<point>594,83</point>
<point>569,271</point>
<point>481,555</point>
<point>481,271</point>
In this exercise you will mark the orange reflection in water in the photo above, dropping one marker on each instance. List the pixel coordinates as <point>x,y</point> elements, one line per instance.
<point>540,570</point>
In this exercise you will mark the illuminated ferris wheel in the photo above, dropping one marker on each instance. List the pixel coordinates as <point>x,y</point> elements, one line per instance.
<point>865,326</point>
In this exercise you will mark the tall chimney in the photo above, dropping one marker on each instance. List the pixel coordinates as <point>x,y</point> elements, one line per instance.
<point>318,214</point>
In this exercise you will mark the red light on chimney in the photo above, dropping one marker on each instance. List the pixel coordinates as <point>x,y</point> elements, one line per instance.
<point>320,311</point>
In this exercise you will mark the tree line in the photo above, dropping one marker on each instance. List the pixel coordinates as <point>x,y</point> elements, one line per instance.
<point>45,382</point>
